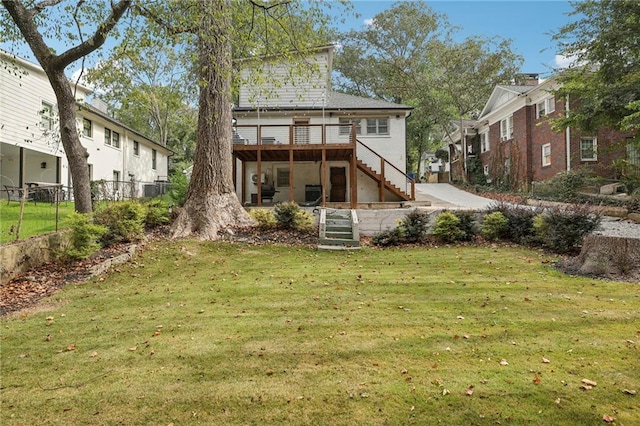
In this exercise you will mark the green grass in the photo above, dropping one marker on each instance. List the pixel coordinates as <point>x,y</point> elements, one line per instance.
<point>37,219</point>
<point>216,333</point>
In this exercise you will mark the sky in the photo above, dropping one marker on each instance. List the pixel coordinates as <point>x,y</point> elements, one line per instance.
<point>529,24</point>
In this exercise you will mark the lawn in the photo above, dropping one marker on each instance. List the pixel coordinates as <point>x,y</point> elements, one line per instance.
<point>219,333</point>
<point>37,219</point>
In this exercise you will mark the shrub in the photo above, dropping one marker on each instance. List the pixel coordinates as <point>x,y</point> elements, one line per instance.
<point>157,213</point>
<point>447,228</point>
<point>561,229</point>
<point>494,226</point>
<point>124,222</point>
<point>289,215</point>
<point>84,238</point>
<point>468,224</point>
<point>414,226</point>
<point>519,222</point>
<point>264,217</point>
<point>179,188</point>
<point>387,238</point>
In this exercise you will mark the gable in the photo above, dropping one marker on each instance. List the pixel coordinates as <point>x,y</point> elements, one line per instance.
<point>502,95</point>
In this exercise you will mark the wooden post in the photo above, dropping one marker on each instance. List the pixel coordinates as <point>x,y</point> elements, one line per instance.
<point>291,195</point>
<point>323,177</point>
<point>353,179</point>
<point>381,190</point>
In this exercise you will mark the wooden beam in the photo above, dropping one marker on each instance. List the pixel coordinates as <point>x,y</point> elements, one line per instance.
<point>353,179</point>
<point>291,194</point>
<point>323,178</point>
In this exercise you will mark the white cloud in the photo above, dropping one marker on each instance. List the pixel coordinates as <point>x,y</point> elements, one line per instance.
<point>369,22</point>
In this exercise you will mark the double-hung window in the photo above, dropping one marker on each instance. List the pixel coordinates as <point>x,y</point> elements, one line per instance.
<point>546,154</point>
<point>506,128</point>
<point>588,149</point>
<point>377,126</point>
<point>545,107</point>
<point>345,128</point>
<point>87,128</point>
<point>107,136</point>
<point>115,139</point>
<point>46,117</point>
<point>484,142</point>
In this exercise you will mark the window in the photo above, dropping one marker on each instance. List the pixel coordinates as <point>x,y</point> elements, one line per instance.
<point>107,136</point>
<point>153,159</point>
<point>116,180</point>
<point>546,155</point>
<point>115,139</point>
<point>484,142</point>
<point>87,128</point>
<point>282,177</point>
<point>377,126</point>
<point>588,149</point>
<point>46,117</point>
<point>346,129</point>
<point>545,107</point>
<point>506,128</point>
<point>136,148</point>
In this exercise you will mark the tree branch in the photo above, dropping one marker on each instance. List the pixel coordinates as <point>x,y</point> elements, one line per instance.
<point>171,29</point>
<point>39,7</point>
<point>98,38</point>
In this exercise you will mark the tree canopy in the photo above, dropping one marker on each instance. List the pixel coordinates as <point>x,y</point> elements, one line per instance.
<point>603,43</point>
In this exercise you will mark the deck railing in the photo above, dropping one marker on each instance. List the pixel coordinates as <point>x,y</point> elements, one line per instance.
<point>294,134</point>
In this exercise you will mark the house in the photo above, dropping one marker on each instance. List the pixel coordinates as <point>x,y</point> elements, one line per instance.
<point>125,162</point>
<point>513,144</point>
<point>297,140</point>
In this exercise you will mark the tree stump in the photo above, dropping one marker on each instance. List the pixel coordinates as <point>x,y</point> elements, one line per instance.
<point>609,256</point>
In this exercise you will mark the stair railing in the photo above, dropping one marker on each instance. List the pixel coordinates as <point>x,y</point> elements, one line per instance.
<point>387,170</point>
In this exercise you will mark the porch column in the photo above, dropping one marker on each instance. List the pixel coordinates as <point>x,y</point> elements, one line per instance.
<point>58,169</point>
<point>353,178</point>
<point>291,195</point>
<point>259,172</point>
<point>22,169</point>
<point>323,177</point>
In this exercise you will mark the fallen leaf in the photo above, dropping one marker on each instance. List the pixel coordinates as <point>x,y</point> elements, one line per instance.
<point>545,361</point>
<point>607,418</point>
<point>629,391</point>
<point>93,354</point>
<point>589,382</point>
<point>504,362</point>
<point>536,380</point>
<point>445,392</point>
<point>71,347</point>
<point>469,390</point>
<point>133,348</point>
<point>270,372</point>
<point>460,317</point>
<point>558,401</point>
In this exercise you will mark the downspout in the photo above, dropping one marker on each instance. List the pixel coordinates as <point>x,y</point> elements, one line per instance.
<point>567,135</point>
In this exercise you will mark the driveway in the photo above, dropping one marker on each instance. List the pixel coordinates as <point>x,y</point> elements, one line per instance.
<point>443,195</point>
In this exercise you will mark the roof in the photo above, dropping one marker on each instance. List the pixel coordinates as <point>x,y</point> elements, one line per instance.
<point>337,101</point>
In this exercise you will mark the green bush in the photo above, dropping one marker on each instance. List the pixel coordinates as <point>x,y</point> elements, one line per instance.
<point>264,217</point>
<point>157,213</point>
<point>561,229</point>
<point>124,221</point>
<point>468,224</point>
<point>494,226</point>
<point>519,222</point>
<point>179,188</point>
<point>414,226</point>
<point>447,228</point>
<point>289,215</point>
<point>84,238</point>
<point>387,238</point>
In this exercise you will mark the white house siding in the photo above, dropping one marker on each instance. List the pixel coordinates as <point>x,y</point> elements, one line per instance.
<point>23,88</point>
<point>285,85</point>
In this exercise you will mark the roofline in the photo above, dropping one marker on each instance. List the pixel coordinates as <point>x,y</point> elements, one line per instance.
<point>277,109</point>
<point>96,111</point>
<point>327,47</point>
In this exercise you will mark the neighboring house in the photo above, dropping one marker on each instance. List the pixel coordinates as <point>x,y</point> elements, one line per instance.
<point>126,162</point>
<point>516,145</point>
<point>297,140</point>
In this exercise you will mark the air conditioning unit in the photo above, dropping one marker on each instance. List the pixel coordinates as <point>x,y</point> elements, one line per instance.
<point>254,178</point>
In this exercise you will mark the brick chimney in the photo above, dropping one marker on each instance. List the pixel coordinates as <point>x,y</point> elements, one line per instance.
<point>527,79</point>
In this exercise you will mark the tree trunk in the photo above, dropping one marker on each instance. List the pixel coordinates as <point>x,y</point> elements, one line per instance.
<point>211,202</point>
<point>604,255</point>
<point>76,153</point>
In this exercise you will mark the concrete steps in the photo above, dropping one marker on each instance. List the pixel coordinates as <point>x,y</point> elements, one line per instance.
<point>338,230</point>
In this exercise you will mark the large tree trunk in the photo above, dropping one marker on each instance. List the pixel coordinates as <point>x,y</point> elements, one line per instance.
<point>211,202</point>
<point>76,153</point>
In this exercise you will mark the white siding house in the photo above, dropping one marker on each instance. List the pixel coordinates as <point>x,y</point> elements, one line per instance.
<point>30,146</point>
<point>300,137</point>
